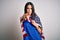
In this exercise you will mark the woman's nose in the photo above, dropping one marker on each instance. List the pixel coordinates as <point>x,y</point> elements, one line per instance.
<point>29,9</point>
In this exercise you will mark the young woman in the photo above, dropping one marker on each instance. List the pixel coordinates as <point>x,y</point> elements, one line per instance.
<point>31,23</point>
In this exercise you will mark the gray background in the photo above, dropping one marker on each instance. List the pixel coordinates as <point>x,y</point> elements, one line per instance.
<point>12,10</point>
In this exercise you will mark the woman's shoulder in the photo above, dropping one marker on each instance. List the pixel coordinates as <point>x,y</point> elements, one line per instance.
<point>37,17</point>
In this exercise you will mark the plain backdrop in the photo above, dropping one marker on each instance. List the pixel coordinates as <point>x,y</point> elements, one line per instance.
<point>12,10</point>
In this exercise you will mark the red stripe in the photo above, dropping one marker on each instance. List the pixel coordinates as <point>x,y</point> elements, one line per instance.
<point>24,35</point>
<point>22,26</point>
<point>30,19</point>
<point>23,30</point>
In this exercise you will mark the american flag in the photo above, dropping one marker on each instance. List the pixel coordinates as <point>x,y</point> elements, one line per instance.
<point>24,32</point>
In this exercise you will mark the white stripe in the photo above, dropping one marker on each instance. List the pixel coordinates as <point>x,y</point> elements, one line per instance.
<point>24,32</point>
<point>39,25</point>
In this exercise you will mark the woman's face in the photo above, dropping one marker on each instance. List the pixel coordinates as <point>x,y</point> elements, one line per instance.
<point>29,9</point>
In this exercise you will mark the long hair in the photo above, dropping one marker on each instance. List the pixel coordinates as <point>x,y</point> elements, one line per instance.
<point>33,14</point>
<point>33,10</point>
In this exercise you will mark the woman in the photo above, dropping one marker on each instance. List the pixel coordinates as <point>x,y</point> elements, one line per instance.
<point>31,24</point>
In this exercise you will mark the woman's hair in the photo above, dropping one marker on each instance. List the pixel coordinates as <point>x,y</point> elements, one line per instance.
<point>33,10</point>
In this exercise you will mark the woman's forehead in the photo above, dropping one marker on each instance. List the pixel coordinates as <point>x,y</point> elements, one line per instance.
<point>29,6</point>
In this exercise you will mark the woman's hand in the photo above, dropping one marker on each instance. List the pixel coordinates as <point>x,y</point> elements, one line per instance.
<point>25,17</point>
<point>34,23</point>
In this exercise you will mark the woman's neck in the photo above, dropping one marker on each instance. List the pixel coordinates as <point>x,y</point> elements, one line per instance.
<point>29,15</point>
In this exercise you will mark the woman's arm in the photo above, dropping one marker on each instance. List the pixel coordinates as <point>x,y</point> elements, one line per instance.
<point>37,27</point>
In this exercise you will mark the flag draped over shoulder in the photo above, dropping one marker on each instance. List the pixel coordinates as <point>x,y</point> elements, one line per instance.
<point>37,20</point>
<point>29,31</point>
